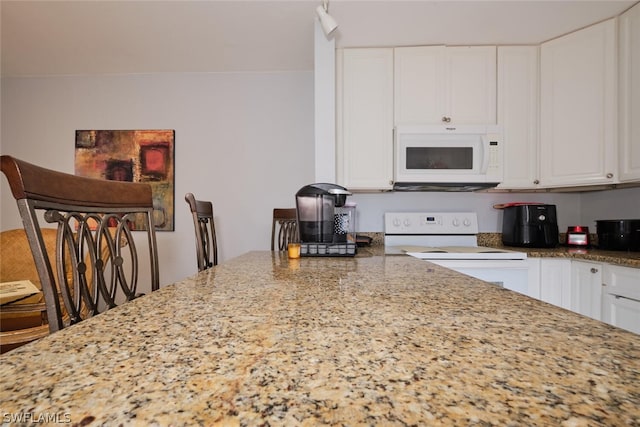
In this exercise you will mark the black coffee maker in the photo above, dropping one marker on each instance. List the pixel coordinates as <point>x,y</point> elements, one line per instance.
<point>326,226</point>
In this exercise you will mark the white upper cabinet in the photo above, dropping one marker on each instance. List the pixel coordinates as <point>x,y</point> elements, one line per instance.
<point>518,90</point>
<point>445,85</point>
<point>419,89</point>
<point>578,108</point>
<point>629,95</point>
<point>364,148</point>
<point>568,108</point>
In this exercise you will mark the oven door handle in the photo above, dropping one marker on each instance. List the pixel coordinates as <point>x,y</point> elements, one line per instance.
<point>624,297</point>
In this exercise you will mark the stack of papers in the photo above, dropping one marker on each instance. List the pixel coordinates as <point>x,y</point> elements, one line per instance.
<point>16,291</point>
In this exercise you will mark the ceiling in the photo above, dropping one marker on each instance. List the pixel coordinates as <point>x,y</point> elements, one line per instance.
<point>109,36</point>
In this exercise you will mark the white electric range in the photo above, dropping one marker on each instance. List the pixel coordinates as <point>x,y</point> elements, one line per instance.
<point>450,239</point>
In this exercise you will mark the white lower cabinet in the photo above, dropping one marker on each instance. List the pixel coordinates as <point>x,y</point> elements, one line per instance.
<point>602,291</point>
<point>586,289</point>
<point>550,280</point>
<point>621,297</point>
<point>533,285</point>
<point>555,282</point>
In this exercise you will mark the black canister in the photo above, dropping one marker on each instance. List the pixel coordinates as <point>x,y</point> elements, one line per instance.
<point>618,234</point>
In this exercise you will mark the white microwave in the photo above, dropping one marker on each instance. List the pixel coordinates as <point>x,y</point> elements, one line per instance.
<point>451,155</point>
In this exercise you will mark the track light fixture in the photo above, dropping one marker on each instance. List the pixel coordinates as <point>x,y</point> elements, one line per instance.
<point>328,23</point>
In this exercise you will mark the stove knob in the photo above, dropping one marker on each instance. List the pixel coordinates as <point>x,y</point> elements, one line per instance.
<point>542,217</point>
<point>407,222</point>
<point>466,222</point>
<point>396,222</point>
<point>456,222</point>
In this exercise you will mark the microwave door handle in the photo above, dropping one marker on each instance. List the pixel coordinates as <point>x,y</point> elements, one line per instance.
<point>485,154</point>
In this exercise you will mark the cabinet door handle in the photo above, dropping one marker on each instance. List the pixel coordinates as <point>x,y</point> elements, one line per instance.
<point>446,119</point>
<point>609,175</point>
<point>594,270</point>
<point>536,181</point>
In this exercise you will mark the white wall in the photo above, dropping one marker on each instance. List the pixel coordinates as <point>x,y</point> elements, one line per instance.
<point>243,140</point>
<point>325,104</point>
<point>612,204</point>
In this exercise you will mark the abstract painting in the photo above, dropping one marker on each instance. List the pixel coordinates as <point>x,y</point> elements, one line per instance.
<point>134,156</point>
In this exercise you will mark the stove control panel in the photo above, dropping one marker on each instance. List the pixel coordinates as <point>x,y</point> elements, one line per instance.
<point>430,223</point>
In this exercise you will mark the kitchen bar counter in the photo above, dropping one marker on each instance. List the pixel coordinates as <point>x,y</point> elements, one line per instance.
<point>494,240</point>
<point>370,340</point>
<point>625,259</point>
<point>622,258</point>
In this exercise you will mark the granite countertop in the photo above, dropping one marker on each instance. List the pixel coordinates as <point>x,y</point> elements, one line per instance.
<point>494,240</point>
<point>367,340</point>
<point>591,253</point>
<point>626,259</point>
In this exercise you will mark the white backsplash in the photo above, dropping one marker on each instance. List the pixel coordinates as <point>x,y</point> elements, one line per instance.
<point>572,208</point>
<point>614,204</point>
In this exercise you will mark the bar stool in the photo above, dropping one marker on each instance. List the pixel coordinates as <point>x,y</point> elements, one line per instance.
<point>284,228</point>
<point>206,244</point>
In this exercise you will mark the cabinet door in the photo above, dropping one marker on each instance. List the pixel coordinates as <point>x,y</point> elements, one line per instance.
<point>533,288</point>
<point>437,84</point>
<point>622,312</point>
<point>419,82</point>
<point>471,85</point>
<point>586,289</point>
<point>629,137</point>
<point>578,107</point>
<point>518,114</point>
<point>621,299</point>
<point>555,282</point>
<point>364,148</point>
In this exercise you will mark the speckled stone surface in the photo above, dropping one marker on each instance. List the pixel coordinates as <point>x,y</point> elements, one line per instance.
<point>494,240</point>
<point>623,258</point>
<point>626,259</point>
<point>370,340</point>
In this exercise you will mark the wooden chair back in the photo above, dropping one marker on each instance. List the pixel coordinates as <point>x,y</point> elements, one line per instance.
<point>96,256</point>
<point>204,226</point>
<point>284,228</point>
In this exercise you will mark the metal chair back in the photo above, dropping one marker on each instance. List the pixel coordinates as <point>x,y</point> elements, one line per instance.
<point>96,255</point>
<point>206,243</point>
<point>284,228</point>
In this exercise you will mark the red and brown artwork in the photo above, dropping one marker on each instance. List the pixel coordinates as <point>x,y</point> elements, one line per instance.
<point>135,156</point>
